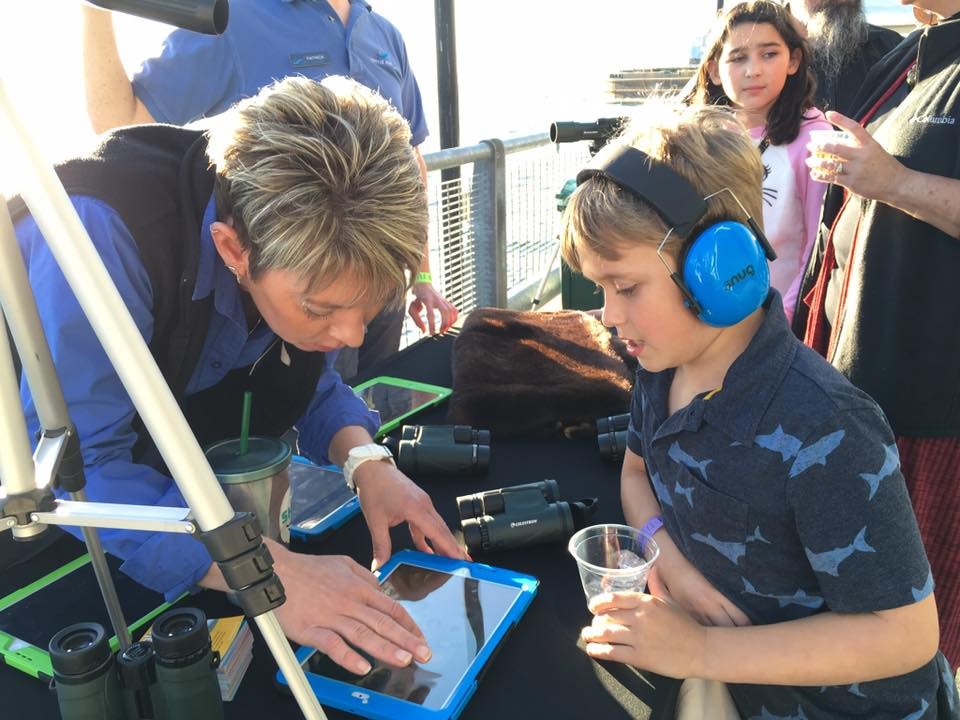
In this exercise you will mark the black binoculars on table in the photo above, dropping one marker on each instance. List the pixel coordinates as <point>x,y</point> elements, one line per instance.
<point>440,449</point>
<point>173,676</point>
<point>612,436</point>
<point>520,515</point>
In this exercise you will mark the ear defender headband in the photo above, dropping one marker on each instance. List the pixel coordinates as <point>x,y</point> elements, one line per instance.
<point>723,273</point>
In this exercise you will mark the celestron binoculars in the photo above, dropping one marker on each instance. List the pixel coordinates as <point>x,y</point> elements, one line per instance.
<point>612,436</point>
<point>171,677</point>
<point>520,515</point>
<point>440,449</point>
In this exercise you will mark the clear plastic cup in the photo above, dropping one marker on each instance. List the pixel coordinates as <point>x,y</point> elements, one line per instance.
<point>613,558</point>
<point>819,138</point>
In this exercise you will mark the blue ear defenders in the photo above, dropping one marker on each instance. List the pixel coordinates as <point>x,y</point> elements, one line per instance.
<point>723,273</point>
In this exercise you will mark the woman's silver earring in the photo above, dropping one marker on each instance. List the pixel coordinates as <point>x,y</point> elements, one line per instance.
<point>236,274</point>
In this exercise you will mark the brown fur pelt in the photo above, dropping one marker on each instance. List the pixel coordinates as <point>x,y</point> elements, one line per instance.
<point>538,373</point>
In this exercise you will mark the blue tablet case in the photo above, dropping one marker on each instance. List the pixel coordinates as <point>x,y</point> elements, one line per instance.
<point>491,601</point>
<point>321,500</point>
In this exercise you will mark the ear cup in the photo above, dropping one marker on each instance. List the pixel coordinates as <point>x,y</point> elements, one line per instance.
<point>725,269</point>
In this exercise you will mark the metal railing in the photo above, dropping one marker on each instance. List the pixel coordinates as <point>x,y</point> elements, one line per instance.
<point>494,221</point>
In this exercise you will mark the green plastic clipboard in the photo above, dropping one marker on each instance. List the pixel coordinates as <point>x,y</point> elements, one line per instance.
<point>396,399</point>
<point>30,616</point>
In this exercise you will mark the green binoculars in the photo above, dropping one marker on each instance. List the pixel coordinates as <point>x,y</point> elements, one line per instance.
<point>612,436</point>
<point>173,676</point>
<point>441,449</point>
<point>520,515</point>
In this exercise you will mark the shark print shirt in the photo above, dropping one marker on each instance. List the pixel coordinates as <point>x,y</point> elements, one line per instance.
<point>783,488</point>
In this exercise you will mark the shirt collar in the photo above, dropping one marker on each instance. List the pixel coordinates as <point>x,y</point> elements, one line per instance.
<point>366,6</point>
<point>356,11</point>
<point>937,43</point>
<point>213,276</point>
<point>755,377</point>
<point>206,270</point>
<point>748,388</point>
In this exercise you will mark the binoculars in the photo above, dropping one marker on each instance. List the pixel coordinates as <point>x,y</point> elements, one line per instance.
<point>440,449</point>
<point>612,436</point>
<point>520,515</point>
<point>171,677</point>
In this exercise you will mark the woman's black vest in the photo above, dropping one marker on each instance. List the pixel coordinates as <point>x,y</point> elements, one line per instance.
<point>159,180</point>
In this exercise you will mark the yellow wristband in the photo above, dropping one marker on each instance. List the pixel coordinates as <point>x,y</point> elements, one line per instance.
<point>424,277</point>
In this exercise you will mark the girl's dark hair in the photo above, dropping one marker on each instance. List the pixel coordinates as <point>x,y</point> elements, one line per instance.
<point>797,96</point>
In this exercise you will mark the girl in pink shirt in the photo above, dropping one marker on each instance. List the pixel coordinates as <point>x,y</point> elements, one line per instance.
<point>759,65</point>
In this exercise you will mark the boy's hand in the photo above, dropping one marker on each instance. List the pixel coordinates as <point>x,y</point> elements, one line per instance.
<point>675,580</point>
<point>647,632</point>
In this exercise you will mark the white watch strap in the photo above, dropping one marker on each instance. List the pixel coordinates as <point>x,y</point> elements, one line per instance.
<point>376,452</point>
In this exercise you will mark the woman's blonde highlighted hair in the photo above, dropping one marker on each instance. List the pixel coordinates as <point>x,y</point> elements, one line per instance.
<point>320,179</point>
<point>705,145</point>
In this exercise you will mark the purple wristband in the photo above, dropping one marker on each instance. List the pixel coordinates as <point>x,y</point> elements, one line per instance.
<point>650,527</point>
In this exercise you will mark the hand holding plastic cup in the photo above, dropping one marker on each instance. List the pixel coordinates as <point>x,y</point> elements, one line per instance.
<point>825,166</point>
<point>613,558</point>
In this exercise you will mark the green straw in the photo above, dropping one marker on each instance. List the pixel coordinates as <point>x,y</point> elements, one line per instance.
<point>245,422</point>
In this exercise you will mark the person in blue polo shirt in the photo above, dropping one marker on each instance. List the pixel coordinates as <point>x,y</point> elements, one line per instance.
<point>197,76</point>
<point>791,566</point>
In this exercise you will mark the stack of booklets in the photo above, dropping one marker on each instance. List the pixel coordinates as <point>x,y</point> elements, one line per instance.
<point>231,637</point>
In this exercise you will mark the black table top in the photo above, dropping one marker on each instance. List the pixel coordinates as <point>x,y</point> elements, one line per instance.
<point>539,672</point>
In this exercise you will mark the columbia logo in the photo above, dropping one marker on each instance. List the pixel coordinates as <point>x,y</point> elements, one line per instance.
<point>935,119</point>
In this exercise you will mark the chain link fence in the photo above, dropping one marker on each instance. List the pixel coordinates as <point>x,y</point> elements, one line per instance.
<point>494,221</point>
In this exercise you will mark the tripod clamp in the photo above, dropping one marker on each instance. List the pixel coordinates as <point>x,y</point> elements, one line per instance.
<point>16,510</point>
<point>246,564</point>
<point>58,463</point>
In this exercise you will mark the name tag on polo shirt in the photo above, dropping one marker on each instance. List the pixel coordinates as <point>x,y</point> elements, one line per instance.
<point>310,59</point>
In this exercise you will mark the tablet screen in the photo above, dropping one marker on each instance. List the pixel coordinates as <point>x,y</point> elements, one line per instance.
<point>316,494</point>
<point>395,401</point>
<point>456,613</point>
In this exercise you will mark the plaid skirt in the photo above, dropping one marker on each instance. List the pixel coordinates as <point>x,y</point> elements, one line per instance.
<point>931,467</point>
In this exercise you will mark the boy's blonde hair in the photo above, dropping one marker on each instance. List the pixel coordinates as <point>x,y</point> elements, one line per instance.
<point>320,179</point>
<point>705,145</point>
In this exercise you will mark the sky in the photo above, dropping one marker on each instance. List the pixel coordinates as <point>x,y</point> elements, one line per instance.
<point>522,63</point>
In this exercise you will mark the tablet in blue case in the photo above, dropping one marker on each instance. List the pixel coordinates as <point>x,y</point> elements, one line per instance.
<point>320,499</point>
<point>465,611</point>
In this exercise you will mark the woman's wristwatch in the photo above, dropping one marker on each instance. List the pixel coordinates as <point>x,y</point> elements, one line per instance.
<point>361,454</point>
